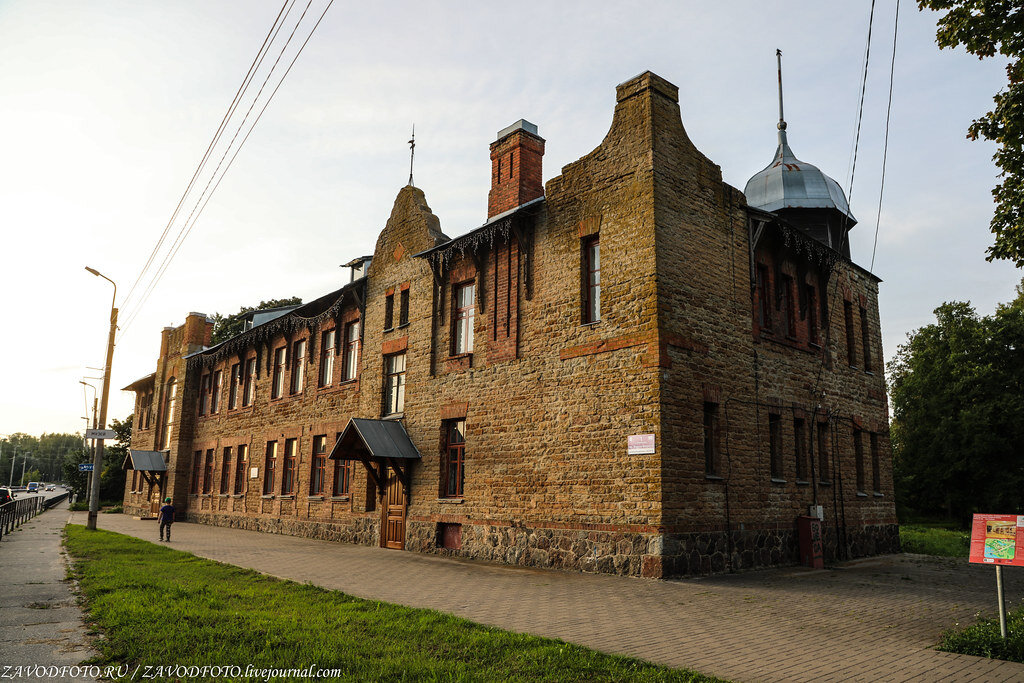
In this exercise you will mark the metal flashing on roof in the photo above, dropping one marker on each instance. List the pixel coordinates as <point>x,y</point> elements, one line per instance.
<point>145,461</point>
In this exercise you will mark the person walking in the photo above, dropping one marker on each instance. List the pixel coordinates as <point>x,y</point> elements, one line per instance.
<point>166,519</point>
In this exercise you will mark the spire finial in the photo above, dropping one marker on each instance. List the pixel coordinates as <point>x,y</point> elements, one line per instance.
<point>782,119</point>
<point>412,151</point>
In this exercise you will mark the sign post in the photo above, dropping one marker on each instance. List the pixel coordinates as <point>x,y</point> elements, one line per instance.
<point>998,540</point>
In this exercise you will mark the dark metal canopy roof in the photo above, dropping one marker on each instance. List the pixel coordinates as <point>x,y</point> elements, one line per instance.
<point>145,461</point>
<point>365,439</point>
<point>139,383</point>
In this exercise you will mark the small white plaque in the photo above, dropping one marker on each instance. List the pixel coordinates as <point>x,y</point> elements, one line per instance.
<point>640,444</point>
<point>254,472</point>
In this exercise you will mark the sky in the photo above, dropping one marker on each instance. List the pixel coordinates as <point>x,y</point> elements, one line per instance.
<point>107,107</point>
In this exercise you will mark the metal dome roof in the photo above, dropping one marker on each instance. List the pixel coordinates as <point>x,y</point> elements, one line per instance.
<point>788,183</point>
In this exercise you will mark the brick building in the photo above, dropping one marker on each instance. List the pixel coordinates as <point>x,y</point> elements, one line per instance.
<point>628,369</point>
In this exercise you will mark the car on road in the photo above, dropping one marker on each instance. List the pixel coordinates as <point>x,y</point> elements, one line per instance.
<point>33,486</point>
<point>51,487</point>
<point>6,495</point>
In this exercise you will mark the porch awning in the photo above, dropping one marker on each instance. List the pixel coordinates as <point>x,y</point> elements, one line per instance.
<point>145,461</point>
<point>378,444</point>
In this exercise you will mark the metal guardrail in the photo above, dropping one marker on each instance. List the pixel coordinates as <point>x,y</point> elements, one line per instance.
<point>50,502</point>
<point>15,512</point>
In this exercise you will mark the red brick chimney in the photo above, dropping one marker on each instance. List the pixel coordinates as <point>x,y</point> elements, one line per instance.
<point>515,168</point>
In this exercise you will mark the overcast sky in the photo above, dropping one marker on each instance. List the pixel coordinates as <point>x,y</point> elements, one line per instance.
<point>107,107</point>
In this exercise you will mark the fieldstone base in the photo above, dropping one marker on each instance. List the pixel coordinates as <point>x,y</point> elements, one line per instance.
<point>358,530</point>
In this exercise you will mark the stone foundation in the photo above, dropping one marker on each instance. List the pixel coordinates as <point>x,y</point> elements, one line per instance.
<point>357,530</point>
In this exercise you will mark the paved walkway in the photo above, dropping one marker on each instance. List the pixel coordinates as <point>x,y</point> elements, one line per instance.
<point>41,624</point>
<point>871,620</point>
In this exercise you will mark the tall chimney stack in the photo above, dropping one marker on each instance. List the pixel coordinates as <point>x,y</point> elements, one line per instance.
<point>515,168</point>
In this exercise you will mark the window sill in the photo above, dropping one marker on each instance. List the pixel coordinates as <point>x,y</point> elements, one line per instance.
<point>451,501</point>
<point>238,495</point>
<point>861,494</point>
<point>341,499</point>
<point>286,496</point>
<point>776,480</point>
<point>801,482</point>
<point>713,477</point>
<point>314,497</point>
<point>388,329</point>
<point>460,356</point>
<point>590,324</point>
<point>394,416</point>
<point>224,495</point>
<point>205,495</point>
<point>402,325</point>
<point>879,494</point>
<point>824,483</point>
<point>268,496</point>
<point>869,372</point>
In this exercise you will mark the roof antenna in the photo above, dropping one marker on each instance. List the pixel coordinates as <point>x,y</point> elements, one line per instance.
<point>782,120</point>
<point>412,151</point>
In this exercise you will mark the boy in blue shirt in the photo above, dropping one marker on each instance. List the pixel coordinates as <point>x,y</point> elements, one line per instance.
<point>166,519</point>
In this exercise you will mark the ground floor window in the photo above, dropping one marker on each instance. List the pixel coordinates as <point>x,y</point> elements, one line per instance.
<point>454,459</point>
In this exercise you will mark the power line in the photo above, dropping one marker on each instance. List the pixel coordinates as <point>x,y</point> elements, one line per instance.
<point>207,191</point>
<point>257,61</point>
<point>885,145</point>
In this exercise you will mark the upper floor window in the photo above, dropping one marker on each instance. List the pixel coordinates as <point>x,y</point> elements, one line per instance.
<point>277,384</point>
<point>326,358</point>
<point>249,388</point>
<point>215,392</point>
<point>403,307</point>
<point>394,384</point>
<point>298,366</point>
<point>764,301</point>
<point>463,317</point>
<point>454,464</point>
<point>591,280</point>
<point>851,349</point>
<point>787,314</point>
<point>389,311</point>
<point>204,394</point>
<point>865,333</point>
<point>350,363</point>
<point>236,379</point>
<point>811,301</point>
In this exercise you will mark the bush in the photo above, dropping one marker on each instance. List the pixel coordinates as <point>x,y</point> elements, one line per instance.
<point>79,506</point>
<point>116,510</point>
<point>983,639</point>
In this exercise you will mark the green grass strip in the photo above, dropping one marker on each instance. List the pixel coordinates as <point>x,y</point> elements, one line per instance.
<point>155,606</point>
<point>929,540</point>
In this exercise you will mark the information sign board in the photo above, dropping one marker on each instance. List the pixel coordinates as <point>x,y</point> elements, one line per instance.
<point>100,434</point>
<point>640,444</point>
<point>85,467</point>
<point>998,539</point>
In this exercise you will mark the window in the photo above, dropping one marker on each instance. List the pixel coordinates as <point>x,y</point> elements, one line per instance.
<point>858,451</point>
<point>225,471</point>
<point>350,363</point>
<point>343,475</point>
<point>270,469</point>
<point>298,366</point>
<point>787,316</point>
<point>197,471</point>
<point>135,481</point>
<point>316,475</point>
<point>823,474</point>
<point>389,311</point>
<point>170,393</point>
<point>249,388</point>
<point>208,472</point>
<point>215,395</point>
<point>851,351</point>
<point>288,471</point>
<point>204,394</point>
<point>394,384</point>
<point>326,359</point>
<point>462,318</point>
<point>454,462</point>
<point>403,307</point>
<point>241,469</point>
<point>764,301</point>
<point>277,385</point>
<point>876,470</point>
<point>775,444</point>
<point>865,333</point>
<point>236,378</point>
<point>811,294</point>
<point>800,448</point>
<point>591,280</point>
<point>711,443</point>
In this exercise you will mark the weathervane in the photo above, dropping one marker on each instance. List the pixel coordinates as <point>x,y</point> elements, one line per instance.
<point>412,151</point>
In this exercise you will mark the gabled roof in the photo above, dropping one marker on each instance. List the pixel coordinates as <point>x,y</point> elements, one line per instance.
<point>141,382</point>
<point>145,461</point>
<point>379,440</point>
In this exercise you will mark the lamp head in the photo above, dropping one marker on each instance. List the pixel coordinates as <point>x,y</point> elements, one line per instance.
<point>93,271</point>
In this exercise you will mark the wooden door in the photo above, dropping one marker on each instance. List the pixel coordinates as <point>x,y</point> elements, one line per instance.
<point>393,514</point>
<point>154,499</point>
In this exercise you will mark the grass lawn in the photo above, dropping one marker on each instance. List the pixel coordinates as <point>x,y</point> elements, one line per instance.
<point>155,606</point>
<point>930,539</point>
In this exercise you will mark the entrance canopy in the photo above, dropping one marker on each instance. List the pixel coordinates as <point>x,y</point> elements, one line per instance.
<point>145,461</point>
<point>378,444</point>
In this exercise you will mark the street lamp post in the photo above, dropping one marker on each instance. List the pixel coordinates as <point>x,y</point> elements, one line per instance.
<point>97,462</point>
<point>95,400</point>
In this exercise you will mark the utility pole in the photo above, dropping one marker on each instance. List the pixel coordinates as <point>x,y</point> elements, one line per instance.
<point>97,463</point>
<point>14,459</point>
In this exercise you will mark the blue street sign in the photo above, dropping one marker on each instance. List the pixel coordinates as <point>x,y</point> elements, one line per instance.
<point>85,467</point>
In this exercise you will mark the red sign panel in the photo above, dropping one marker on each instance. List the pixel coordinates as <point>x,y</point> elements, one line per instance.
<point>998,539</point>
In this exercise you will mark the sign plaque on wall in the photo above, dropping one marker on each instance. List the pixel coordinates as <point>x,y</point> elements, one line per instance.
<point>254,472</point>
<point>640,444</point>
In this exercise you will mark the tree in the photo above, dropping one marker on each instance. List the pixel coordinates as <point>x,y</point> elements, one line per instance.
<point>112,479</point>
<point>985,28</point>
<point>957,390</point>
<point>226,327</point>
<point>32,475</point>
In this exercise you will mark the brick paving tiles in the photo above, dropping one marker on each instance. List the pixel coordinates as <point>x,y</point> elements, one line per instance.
<point>875,619</point>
